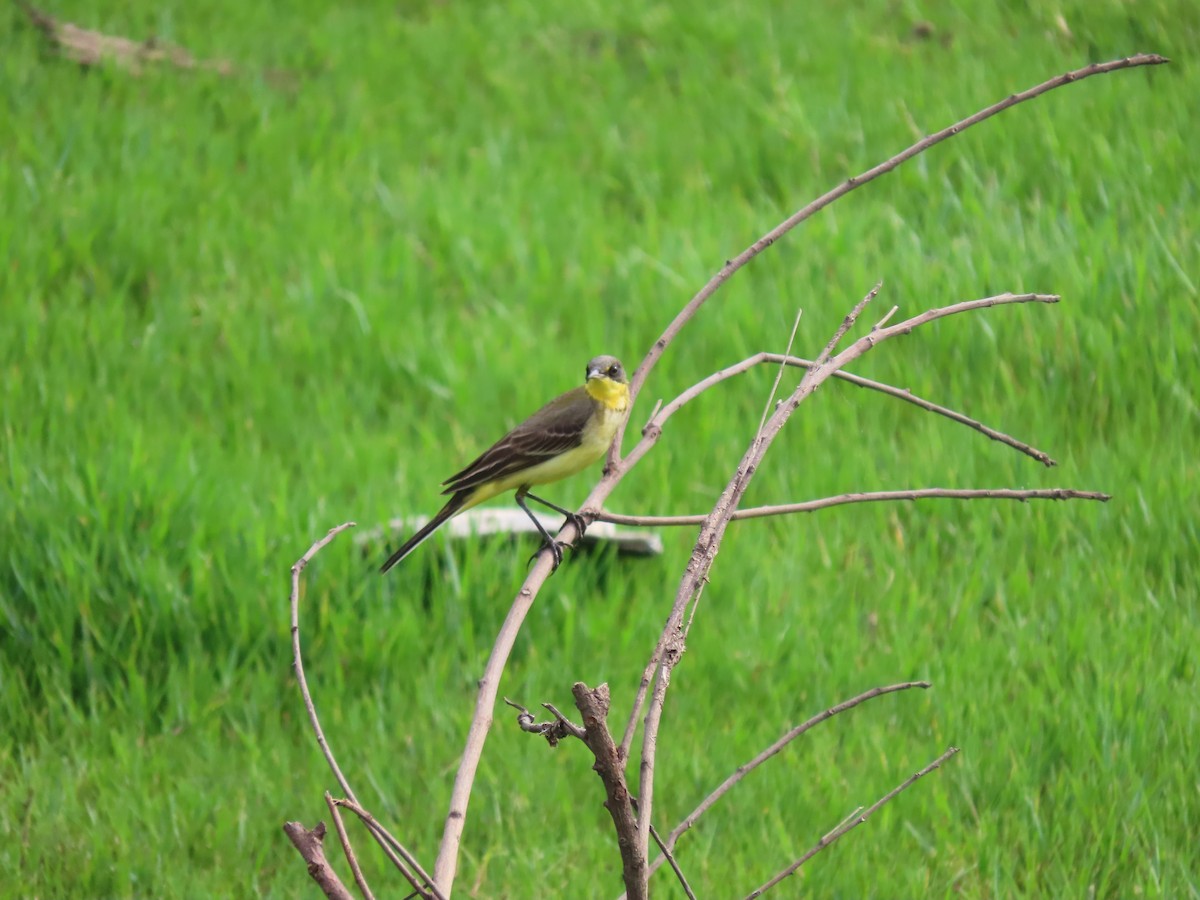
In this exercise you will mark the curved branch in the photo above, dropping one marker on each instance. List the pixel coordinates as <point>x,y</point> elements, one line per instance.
<point>713,529</point>
<point>297,660</point>
<point>731,266</point>
<point>408,865</point>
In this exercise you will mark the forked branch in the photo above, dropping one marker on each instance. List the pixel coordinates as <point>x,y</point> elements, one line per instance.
<point>446,866</point>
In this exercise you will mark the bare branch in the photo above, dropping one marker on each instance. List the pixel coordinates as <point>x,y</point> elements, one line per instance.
<point>617,466</point>
<point>891,312</point>
<point>742,771</point>
<point>359,879</point>
<point>849,825</point>
<point>759,512</point>
<point>569,726</point>
<point>653,429</point>
<point>850,184</point>
<point>309,845</point>
<point>91,48</point>
<point>481,721</point>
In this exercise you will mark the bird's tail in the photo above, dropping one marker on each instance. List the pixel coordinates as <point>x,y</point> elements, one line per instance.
<point>447,512</point>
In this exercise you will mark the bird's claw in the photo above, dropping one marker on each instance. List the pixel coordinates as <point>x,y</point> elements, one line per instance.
<point>556,553</point>
<point>579,522</point>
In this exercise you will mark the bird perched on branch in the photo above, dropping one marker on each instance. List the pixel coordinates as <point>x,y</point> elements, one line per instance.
<point>562,438</point>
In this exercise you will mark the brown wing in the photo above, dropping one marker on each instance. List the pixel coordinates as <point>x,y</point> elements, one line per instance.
<point>555,428</point>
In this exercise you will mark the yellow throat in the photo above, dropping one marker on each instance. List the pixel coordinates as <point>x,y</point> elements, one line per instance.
<point>612,394</point>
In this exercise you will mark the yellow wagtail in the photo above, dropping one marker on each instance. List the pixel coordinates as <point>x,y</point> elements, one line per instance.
<point>565,436</point>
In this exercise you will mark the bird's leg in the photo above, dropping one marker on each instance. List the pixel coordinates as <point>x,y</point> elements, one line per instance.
<point>575,519</point>
<point>554,546</point>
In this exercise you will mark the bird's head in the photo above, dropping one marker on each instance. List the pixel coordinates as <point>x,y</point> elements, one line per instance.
<point>606,381</point>
<point>607,367</point>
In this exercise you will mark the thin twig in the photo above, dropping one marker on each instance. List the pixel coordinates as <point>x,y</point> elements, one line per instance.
<point>575,730</point>
<point>666,854</point>
<point>297,659</point>
<point>359,879</point>
<point>553,732</point>
<point>847,324</point>
<point>742,771</point>
<point>887,318</point>
<point>731,266</point>
<point>787,351</point>
<point>413,871</point>
<point>900,393</point>
<point>851,824</point>
<point>783,509</point>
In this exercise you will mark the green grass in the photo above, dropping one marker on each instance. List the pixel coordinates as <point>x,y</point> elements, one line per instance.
<point>238,311</point>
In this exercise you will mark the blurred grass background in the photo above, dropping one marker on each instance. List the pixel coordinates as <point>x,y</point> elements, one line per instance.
<point>240,310</point>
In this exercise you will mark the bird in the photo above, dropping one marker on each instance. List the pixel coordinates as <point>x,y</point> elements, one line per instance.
<point>562,438</point>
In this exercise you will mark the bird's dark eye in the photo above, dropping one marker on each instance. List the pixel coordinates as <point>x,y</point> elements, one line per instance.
<point>614,371</point>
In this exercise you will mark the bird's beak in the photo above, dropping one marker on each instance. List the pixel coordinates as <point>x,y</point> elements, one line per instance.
<point>595,372</point>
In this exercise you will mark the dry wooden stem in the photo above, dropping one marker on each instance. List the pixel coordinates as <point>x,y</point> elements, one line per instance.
<point>396,852</point>
<point>553,732</point>
<point>89,48</point>
<point>594,704</point>
<point>298,660</point>
<point>670,858</point>
<point>481,722</point>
